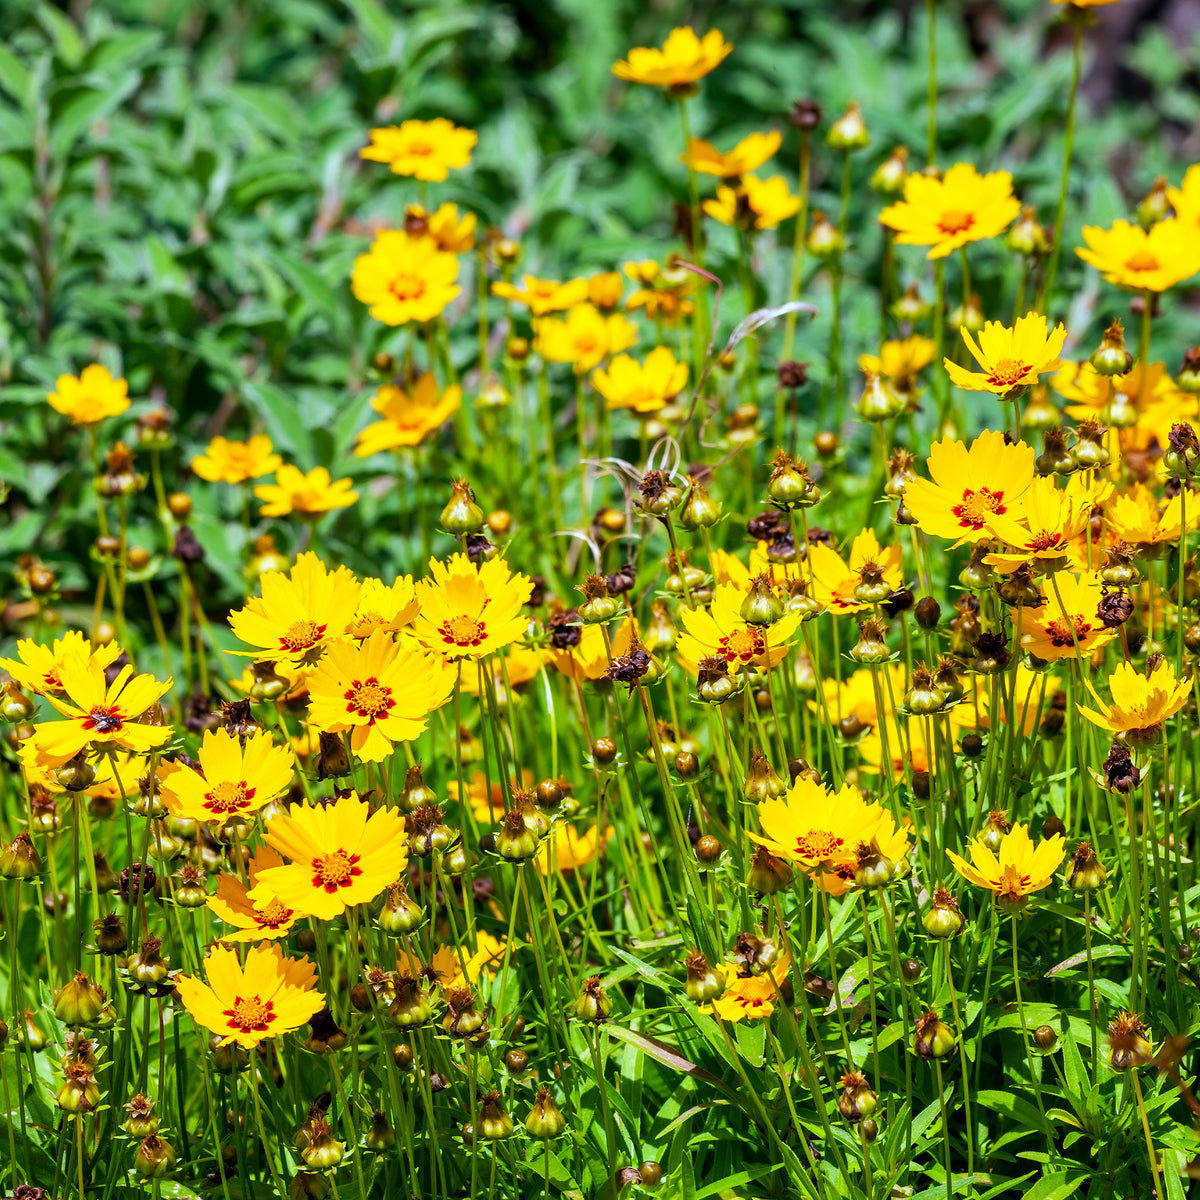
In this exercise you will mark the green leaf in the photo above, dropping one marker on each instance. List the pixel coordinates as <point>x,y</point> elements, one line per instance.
<point>15,78</point>
<point>1057,1186</point>
<point>61,28</point>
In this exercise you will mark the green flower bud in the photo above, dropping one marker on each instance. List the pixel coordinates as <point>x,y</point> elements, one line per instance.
<point>1110,357</point>
<point>593,1004</point>
<point>849,131</point>
<point>461,515</point>
<point>544,1120</point>
<point>943,920</point>
<point>704,982</point>
<point>932,1037</point>
<point>20,860</point>
<point>154,1157</point>
<point>380,1137</point>
<point>493,1123</point>
<point>762,605</point>
<point>79,1001</point>
<point>15,706</point>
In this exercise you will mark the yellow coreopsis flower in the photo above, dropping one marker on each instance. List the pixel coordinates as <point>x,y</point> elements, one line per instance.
<point>405,278</point>
<point>542,296</point>
<point>754,204</point>
<point>341,855</point>
<point>384,606</point>
<point>823,832</point>
<point>834,580</point>
<point>1152,260</point>
<point>721,631</point>
<point>91,397</point>
<point>469,611</point>
<point>1134,517</point>
<point>683,59</point>
<point>307,495</point>
<point>1019,870</point>
<point>379,689</point>
<point>236,778</point>
<point>748,155</point>
<point>749,997</point>
<point>38,668</point>
<point>225,461</point>
<point>426,150</point>
<point>1010,358</point>
<point>1052,631</point>
<point>1140,702</point>
<point>299,612</point>
<point>267,920</point>
<point>643,387</point>
<point>947,213</point>
<point>450,232</point>
<point>583,338</point>
<point>266,997</point>
<point>101,715</point>
<point>408,416</point>
<point>1051,521</point>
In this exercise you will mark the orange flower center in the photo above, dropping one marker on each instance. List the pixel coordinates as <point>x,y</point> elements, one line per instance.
<point>229,797</point>
<point>250,1014</point>
<point>743,645</point>
<point>104,718</point>
<point>407,287</point>
<point>955,220</point>
<point>421,149</point>
<point>463,631</point>
<point>975,508</point>
<point>336,870</point>
<point>369,698</point>
<point>1060,631</point>
<point>1141,260</point>
<point>301,636</point>
<point>274,915</point>
<point>818,844</point>
<point>1008,372</point>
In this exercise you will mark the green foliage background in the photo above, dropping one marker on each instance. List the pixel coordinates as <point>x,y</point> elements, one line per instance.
<point>181,198</point>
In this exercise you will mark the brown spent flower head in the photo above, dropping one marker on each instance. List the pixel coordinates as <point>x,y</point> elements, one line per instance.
<point>1121,774</point>
<point>630,668</point>
<point>805,115</point>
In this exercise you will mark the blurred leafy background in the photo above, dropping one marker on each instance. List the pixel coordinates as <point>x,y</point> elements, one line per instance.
<point>181,197</point>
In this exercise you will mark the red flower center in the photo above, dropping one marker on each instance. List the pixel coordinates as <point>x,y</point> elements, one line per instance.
<point>976,507</point>
<point>336,870</point>
<point>463,631</point>
<point>369,698</point>
<point>229,797</point>
<point>249,1014</point>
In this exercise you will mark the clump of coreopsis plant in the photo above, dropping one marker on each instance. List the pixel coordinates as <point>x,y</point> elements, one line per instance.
<point>759,784</point>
